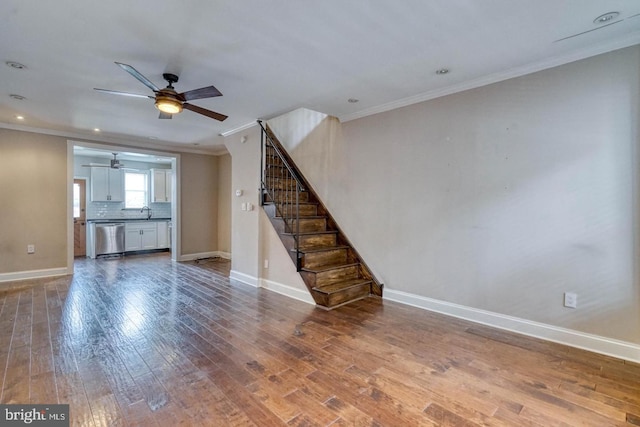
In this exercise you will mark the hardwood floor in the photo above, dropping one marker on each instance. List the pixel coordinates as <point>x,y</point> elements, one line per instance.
<point>144,341</point>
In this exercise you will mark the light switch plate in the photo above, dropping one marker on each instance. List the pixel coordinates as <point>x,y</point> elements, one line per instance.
<point>570,299</point>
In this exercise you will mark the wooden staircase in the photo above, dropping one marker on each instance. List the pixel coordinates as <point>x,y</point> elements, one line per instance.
<point>330,267</point>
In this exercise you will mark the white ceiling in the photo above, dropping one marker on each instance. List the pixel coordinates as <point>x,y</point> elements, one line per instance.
<point>270,57</point>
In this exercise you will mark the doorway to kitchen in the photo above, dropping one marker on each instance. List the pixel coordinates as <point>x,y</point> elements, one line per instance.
<point>92,175</point>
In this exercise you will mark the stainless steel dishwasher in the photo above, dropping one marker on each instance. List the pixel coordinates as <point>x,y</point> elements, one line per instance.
<point>109,238</point>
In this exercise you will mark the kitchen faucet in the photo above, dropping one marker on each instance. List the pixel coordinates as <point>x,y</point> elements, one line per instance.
<point>148,211</point>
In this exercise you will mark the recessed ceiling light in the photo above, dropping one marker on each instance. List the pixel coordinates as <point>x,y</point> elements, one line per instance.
<point>20,117</point>
<point>16,65</point>
<point>607,17</point>
<point>96,129</point>
<point>353,100</point>
<point>442,71</point>
<point>17,97</point>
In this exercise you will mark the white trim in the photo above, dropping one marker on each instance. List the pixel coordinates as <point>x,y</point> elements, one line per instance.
<point>244,278</point>
<point>630,40</point>
<point>595,343</point>
<point>288,291</point>
<point>239,129</point>
<point>70,228</point>
<point>34,274</point>
<point>201,255</point>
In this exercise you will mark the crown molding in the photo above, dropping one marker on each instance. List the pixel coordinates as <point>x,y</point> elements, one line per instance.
<point>246,126</point>
<point>621,43</point>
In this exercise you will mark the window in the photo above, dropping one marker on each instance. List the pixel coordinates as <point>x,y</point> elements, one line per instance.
<point>76,200</point>
<point>136,186</point>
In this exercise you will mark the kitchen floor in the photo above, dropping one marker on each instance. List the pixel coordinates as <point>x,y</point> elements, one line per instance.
<point>145,341</point>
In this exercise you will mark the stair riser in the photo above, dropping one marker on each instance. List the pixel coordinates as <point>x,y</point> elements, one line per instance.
<point>290,210</point>
<point>324,258</point>
<point>309,225</point>
<point>274,210</point>
<point>304,210</point>
<point>308,241</point>
<point>314,240</point>
<point>306,225</point>
<point>340,297</point>
<point>288,197</point>
<point>324,278</point>
<point>277,171</point>
<point>337,275</point>
<point>280,184</point>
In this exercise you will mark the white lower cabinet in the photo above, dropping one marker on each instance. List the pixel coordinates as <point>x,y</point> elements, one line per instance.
<point>141,236</point>
<point>163,234</point>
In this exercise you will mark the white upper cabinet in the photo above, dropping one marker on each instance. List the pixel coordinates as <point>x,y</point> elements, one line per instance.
<point>107,185</point>
<point>161,185</point>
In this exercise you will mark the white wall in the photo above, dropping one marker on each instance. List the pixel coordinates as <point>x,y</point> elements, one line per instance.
<point>499,198</point>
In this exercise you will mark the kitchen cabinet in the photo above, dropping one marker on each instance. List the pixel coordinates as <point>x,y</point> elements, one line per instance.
<point>163,234</point>
<point>141,236</point>
<point>161,185</point>
<point>107,185</point>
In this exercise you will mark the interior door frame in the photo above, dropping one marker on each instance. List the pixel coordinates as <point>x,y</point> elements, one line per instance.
<point>176,247</point>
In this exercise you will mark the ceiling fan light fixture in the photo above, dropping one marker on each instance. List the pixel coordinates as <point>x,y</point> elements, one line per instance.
<point>168,105</point>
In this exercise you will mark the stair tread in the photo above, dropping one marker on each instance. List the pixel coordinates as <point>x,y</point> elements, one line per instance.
<point>339,286</point>
<point>282,203</point>
<point>306,217</point>
<point>321,248</point>
<point>310,233</point>
<point>328,267</point>
<point>293,203</point>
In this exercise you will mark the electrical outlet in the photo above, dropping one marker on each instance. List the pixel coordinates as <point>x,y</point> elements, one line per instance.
<point>266,263</point>
<point>31,249</point>
<point>570,299</point>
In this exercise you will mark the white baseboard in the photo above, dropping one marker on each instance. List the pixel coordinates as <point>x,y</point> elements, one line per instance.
<point>201,255</point>
<point>288,291</point>
<point>33,274</point>
<point>595,343</point>
<point>244,278</point>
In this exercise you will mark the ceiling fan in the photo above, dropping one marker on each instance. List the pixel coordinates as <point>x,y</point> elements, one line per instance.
<point>167,100</point>
<point>114,164</point>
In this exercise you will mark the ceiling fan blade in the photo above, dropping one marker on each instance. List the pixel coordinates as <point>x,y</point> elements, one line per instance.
<point>116,92</point>
<point>203,92</point>
<point>204,111</point>
<point>164,115</point>
<point>135,73</point>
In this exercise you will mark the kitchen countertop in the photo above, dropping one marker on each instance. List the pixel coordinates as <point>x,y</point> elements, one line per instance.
<point>127,219</point>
